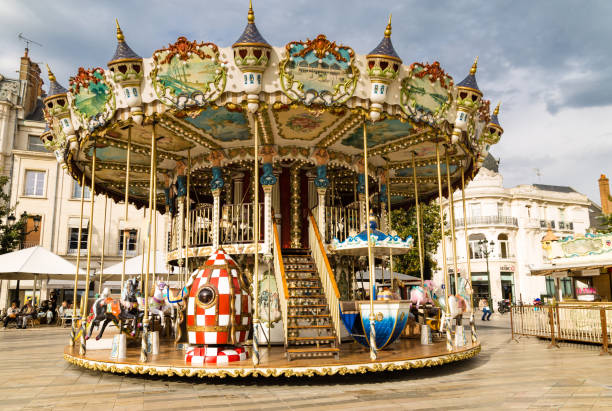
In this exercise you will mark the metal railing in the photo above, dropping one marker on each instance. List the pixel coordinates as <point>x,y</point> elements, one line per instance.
<point>281,280</point>
<point>587,323</point>
<point>236,225</point>
<point>487,220</point>
<point>29,244</point>
<point>326,274</point>
<point>340,221</point>
<point>201,225</point>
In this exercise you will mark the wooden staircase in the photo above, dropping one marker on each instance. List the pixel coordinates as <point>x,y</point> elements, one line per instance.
<point>310,332</point>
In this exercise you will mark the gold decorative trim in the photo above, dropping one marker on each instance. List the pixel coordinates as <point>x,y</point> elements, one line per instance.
<point>349,369</point>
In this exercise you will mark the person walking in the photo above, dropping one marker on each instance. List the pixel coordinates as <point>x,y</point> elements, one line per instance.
<point>486,310</point>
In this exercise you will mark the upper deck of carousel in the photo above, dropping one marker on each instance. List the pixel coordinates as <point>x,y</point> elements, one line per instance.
<point>309,101</point>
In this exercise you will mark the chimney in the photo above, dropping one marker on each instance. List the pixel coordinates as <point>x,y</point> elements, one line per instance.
<point>604,193</point>
<point>29,72</point>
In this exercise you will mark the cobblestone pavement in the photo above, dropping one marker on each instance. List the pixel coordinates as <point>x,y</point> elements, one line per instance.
<point>505,375</point>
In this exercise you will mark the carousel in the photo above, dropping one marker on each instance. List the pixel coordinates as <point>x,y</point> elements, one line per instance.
<point>274,171</point>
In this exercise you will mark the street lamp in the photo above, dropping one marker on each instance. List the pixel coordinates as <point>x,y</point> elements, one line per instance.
<point>487,249</point>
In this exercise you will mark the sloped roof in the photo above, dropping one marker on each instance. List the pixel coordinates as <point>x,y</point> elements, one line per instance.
<point>558,189</point>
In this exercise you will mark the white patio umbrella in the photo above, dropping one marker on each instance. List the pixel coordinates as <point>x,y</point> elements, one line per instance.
<point>136,265</point>
<point>35,263</point>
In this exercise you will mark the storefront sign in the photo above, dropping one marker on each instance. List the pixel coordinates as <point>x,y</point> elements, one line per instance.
<point>480,277</point>
<point>507,268</point>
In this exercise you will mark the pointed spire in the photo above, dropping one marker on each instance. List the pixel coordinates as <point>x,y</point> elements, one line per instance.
<point>54,87</point>
<point>474,67</point>
<point>251,15</point>
<point>388,29</point>
<point>120,36</point>
<point>50,73</point>
<point>470,80</point>
<point>123,51</point>
<point>385,47</point>
<point>250,35</point>
<point>494,119</point>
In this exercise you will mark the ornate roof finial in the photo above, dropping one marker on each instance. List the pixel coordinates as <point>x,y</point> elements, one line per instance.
<point>120,36</point>
<point>496,111</point>
<point>50,74</point>
<point>474,67</point>
<point>251,15</point>
<point>388,29</point>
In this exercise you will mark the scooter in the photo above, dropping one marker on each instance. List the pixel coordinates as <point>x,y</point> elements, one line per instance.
<point>503,306</point>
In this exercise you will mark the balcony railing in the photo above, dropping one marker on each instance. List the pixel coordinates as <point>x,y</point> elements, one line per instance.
<point>488,220</point>
<point>340,221</point>
<point>28,244</point>
<point>201,225</point>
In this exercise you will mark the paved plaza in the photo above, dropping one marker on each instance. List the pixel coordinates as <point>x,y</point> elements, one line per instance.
<point>505,375</point>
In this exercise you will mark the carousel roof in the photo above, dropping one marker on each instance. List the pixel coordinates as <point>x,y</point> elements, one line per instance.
<point>385,47</point>
<point>123,51</point>
<point>310,100</point>
<point>470,80</point>
<point>494,119</point>
<point>55,88</point>
<point>250,35</point>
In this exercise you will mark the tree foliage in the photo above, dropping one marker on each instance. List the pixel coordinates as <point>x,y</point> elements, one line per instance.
<point>10,234</point>
<point>605,223</point>
<point>403,221</point>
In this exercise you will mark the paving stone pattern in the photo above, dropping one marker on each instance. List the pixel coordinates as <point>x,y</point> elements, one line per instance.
<point>506,375</point>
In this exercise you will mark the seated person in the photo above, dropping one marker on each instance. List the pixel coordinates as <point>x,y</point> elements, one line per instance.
<point>11,314</point>
<point>45,312</point>
<point>27,312</point>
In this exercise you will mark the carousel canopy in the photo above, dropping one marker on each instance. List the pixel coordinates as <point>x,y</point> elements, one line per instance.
<point>382,244</point>
<point>309,98</point>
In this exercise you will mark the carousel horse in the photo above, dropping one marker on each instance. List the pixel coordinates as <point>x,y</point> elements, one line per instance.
<point>160,305</point>
<point>106,309</point>
<point>177,298</point>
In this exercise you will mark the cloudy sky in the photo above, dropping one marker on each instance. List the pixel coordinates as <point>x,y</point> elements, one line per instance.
<point>548,61</point>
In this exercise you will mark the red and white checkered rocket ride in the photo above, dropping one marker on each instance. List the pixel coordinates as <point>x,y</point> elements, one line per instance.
<point>218,312</point>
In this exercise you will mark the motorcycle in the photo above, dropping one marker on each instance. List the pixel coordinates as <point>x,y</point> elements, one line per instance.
<point>503,306</point>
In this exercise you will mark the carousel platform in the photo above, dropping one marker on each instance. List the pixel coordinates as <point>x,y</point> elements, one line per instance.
<point>354,359</point>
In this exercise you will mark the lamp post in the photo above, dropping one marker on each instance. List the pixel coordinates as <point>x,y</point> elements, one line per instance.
<point>11,220</point>
<point>487,249</point>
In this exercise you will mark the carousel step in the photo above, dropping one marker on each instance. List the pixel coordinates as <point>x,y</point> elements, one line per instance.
<point>305,288</point>
<point>314,340</point>
<point>309,316</point>
<point>302,306</point>
<point>304,327</point>
<point>310,279</point>
<point>319,296</point>
<point>312,352</point>
<point>300,270</point>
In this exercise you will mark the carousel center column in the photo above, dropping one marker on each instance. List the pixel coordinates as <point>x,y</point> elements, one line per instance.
<point>268,180</point>
<point>296,217</point>
<point>216,186</point>
<point>361,190</point>
<point>321,182</point>
<point>181,192</point>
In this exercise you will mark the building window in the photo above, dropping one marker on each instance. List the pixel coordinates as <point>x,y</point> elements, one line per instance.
<point>504,246</point>
<point>475,250</point>
<point>500,209</point>
<point>73,241</point>
<point>34,183</point>
<point>35,144</point>
<point>131,244</point>
<point>76,191</point>
<point>475,210</point>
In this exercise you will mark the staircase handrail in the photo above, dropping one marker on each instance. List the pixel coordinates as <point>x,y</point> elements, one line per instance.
<point>281,279</point>
<point>326,274</point>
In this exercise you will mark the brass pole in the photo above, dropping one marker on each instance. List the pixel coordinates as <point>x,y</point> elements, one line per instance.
<point>78,263</point>
<point>468,259</point>
<point>256,247</point>
<point>103,244</point>
<point>389,222</point>
<point>154,216</point>
<point>449,340</point>
<point>188,222</point>
<point>145,319</point>
<point>373,348</point>
<point>126,235</point>
<point>418,218</point>
<point>451,206</point>
<point>89,235</point>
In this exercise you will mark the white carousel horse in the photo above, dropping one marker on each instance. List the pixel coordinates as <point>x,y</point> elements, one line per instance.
<point>159,304</point>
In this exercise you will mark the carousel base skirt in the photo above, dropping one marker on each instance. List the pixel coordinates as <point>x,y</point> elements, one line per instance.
<point>354,359</point>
